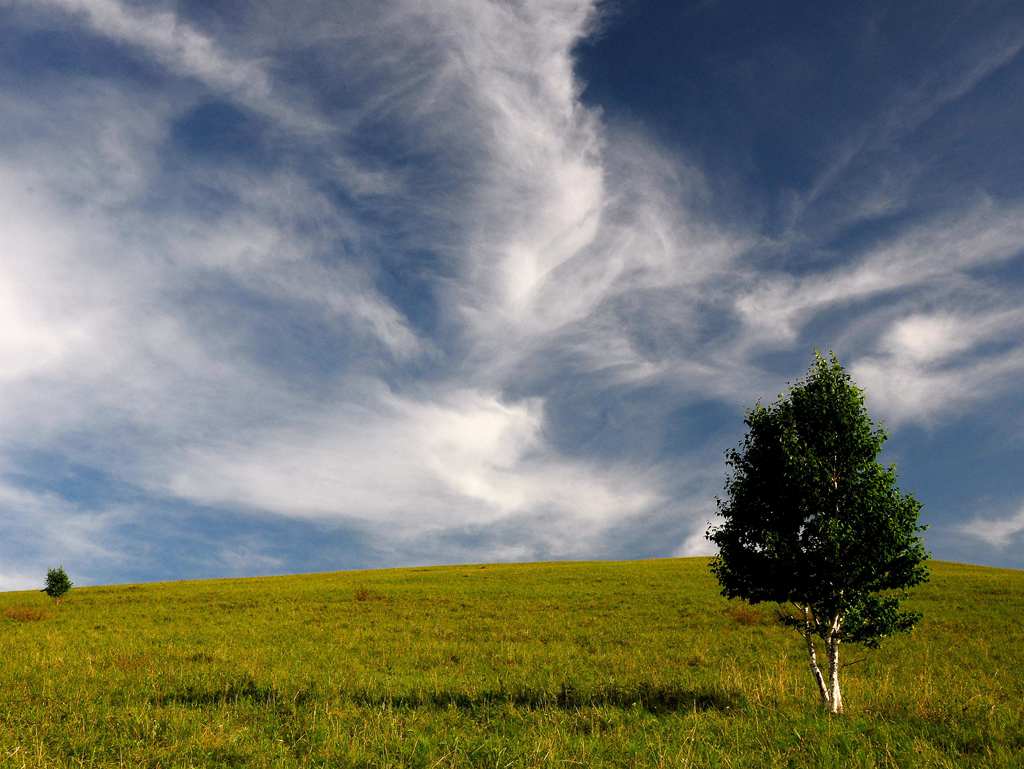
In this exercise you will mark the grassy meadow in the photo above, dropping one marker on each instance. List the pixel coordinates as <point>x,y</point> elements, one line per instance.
<point>563,664</point>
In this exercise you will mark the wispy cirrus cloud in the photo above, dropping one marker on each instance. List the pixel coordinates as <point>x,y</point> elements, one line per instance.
<point>187,51</point>
<point>933,251</point>
<point>868,175</point>
<point>215,422</point>
<point>408,281</point>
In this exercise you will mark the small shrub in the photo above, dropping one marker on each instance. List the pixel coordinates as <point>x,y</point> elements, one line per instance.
<point>57,583</point>
<point>25,614</point>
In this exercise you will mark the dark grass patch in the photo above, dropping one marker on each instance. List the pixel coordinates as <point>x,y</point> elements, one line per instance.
<point>745,614</point>
<point>649,697</point>
<point>132,662</point>
<point>228,758</point>
<point>240,690</point>
<point>363,594</point>
<point>26,614</point>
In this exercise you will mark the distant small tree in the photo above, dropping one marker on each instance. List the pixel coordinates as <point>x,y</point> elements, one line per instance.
<point>812,521</point>
<point>57,583</point>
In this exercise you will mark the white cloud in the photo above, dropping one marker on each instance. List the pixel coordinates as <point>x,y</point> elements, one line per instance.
<point>19,581</point>
<point>695,544</point>
<point>248,560</point>
<point>987,234</point>
<point>45,530</point>
<point>190,53</point>
<point>902,392</point>
<point>460,458</point>
<point>143,333</point>
<point>110,363</point>
<point>936,365</point>
<point>997,532</point>
<point>925,338</point>
<point>931,337</point>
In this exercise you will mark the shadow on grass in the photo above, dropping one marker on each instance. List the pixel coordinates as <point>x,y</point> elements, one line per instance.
<point>654,699</point>
<point>243,690</point>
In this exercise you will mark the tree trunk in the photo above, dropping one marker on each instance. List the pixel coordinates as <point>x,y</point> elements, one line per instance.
<point>813,659</point>
<point>835,695</point>
<point>835,698</point>
<point>831,695</point>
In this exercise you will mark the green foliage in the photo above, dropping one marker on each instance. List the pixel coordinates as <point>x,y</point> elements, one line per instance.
<point>810,516</point>
<point>57,583</point>
<point>637,664</point>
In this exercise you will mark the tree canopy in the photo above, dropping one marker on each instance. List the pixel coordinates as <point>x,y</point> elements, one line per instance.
<point>810,518</point>
<point>58,583</point>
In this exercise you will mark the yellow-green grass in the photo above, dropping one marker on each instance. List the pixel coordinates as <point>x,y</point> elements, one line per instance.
<point>563,664</point>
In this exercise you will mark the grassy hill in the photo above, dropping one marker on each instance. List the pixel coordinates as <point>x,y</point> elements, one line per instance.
<point>566,664</point>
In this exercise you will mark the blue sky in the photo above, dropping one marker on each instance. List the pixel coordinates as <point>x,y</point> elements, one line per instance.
<point>320,285</point>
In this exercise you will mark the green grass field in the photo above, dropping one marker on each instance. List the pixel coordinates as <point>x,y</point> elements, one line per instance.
<point>567,664</point>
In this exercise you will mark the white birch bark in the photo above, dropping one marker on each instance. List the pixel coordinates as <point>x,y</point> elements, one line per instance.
<point>813,659</point>
<point>835,695</point>
<point>835,698</point>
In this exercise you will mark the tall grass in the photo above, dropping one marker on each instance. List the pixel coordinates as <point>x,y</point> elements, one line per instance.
<point>572,664</point>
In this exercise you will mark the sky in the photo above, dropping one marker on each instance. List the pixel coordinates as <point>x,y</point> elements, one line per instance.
<point>330,284</point>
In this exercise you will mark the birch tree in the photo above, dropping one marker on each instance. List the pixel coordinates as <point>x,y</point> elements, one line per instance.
<point>812,521</point>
